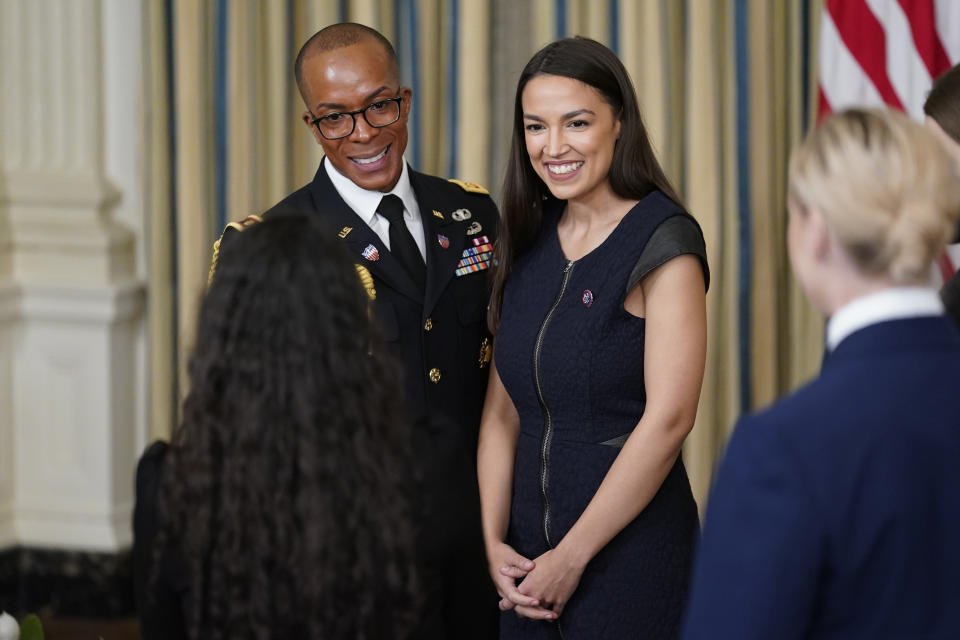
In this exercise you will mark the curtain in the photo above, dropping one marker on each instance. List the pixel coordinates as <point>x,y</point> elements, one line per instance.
<point>725,91</point>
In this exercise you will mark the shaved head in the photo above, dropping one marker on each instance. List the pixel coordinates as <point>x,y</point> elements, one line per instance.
<point>337,36</point>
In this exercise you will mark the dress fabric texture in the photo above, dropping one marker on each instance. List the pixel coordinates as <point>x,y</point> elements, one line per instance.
<point>571,359</point>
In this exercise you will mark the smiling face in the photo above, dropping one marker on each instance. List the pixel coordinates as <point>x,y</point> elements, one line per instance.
<point>351,78</point>
<point>570,132</point>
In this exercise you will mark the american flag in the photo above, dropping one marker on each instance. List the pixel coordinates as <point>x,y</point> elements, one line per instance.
<point>876,52</point>
<point>887,52</point>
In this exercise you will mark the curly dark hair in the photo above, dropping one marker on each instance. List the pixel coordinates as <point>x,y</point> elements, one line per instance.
<point>287,482</point>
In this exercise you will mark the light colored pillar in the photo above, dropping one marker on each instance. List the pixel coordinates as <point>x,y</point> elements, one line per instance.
<point>78,310</point>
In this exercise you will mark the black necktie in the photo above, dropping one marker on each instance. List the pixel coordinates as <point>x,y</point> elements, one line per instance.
<point>402,244</point>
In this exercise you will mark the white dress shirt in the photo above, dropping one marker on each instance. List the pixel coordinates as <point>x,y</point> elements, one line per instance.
<point>894,303</point>
<point>364,203</point>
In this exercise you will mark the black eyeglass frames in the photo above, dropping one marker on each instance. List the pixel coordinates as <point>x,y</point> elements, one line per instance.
<point>381,113</point>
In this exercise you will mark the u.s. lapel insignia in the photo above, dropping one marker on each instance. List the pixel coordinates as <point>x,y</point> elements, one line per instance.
<point>437,214</point>
<point>461,214</point>
<point>486,352</point>
<point>345,232</point>
<point>474,228</point>
<point>443,240</point>
<point>371,253</point>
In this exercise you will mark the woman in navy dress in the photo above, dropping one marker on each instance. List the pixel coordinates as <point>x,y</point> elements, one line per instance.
<point>599,307</point>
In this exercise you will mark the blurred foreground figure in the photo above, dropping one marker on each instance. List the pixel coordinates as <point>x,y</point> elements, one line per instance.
<point>281,507</point>
<point>942,110</point>
<point>835,512</point>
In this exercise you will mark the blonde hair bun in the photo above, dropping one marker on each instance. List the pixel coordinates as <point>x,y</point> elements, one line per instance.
<point>886,187</point>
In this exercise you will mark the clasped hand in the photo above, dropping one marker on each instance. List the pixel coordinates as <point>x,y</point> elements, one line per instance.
<point>545,584</point>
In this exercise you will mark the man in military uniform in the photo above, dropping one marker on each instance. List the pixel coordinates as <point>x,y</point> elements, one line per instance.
<point>423,246</point>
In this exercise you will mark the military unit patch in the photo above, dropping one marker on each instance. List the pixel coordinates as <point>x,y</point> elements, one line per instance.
<point>371,253</point>
<point>443,240</point>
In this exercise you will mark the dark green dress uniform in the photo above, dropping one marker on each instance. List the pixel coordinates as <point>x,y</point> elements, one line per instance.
<point>440,339</point>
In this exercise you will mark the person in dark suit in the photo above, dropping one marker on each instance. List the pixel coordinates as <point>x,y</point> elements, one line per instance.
<point>942,109</point>
<point>281,508</point>
<point>835,511</point>
<point>425,244</point>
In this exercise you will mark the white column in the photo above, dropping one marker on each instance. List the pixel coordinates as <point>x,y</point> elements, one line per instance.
<point>7,299</point>
<point>77,317</point>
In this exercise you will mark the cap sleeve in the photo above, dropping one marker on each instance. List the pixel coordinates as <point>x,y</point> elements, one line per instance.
<point>676,236</point>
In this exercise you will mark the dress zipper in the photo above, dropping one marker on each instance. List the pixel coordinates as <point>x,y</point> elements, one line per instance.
<point>548,423</point>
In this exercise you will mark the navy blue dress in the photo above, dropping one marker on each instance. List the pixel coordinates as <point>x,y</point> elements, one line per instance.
<point>571,359</point>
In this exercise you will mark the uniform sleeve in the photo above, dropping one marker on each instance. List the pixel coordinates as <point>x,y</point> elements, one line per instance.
<point>676,236</point>
<point>159,591</point>
<point>757,568</point>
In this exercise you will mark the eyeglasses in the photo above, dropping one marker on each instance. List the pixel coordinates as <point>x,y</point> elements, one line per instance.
<point>381,113</point>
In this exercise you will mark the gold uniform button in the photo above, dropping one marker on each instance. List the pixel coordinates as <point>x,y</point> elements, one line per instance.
<point>428,324</point>
<point>434,375</point>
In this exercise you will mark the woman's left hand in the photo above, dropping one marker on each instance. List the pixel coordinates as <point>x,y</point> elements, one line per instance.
<point>553,580</point>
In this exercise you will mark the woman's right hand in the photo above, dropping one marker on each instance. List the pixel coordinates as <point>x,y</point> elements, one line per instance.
<point>506,568</point>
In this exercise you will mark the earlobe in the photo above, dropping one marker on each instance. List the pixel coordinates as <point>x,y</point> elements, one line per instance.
<point>407,94</point>
<point>818,234</point>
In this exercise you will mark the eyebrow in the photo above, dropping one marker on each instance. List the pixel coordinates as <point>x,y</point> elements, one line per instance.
<point>337,105</point>
<point>566,116</point>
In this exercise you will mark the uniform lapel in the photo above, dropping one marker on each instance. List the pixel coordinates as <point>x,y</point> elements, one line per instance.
<point>357,237</point>
<point>441,262</point>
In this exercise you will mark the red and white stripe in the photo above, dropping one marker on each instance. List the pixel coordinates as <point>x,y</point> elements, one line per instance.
<point>887,52</point>
<point>876,52</point>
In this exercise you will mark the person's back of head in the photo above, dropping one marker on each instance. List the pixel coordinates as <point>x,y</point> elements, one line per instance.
<point>943,103</point>
<point>287,479</point>
<point>884,187</point>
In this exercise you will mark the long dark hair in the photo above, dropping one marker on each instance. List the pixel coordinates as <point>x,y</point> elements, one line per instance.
<point>287,479</point>
<point>634,171</point>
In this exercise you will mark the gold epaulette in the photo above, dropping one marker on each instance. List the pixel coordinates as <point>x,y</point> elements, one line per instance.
<point>238,226</point>
<point>472,187</point>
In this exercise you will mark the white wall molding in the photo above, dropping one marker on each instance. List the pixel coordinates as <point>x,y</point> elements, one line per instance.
<point>90,529</point>
<point>9,297</point>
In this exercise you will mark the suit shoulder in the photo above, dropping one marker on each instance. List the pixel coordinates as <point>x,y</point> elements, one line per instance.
<point>469,187</point>
<point>298,201</point>
<point>456,196</point>
<point>453,187</point>
<point>228,231</point>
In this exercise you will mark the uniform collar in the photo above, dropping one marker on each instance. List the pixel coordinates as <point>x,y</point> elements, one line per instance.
<point>365,202</point>
<point>894,303</point>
